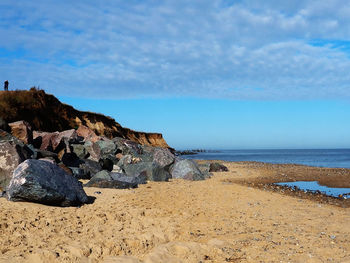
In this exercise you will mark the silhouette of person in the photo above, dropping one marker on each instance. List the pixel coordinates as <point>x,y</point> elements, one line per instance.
<point>6,85</point>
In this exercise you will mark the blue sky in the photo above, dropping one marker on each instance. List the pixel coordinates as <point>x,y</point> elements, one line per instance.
<point>209,74</point>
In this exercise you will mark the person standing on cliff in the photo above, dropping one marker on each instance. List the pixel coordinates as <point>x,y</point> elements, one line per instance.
<point>6,85</point>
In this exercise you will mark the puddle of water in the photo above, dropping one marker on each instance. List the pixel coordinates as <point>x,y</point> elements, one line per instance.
<point>314,186</point>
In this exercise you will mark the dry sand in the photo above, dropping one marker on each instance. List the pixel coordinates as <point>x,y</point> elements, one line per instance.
<point>217,220</point>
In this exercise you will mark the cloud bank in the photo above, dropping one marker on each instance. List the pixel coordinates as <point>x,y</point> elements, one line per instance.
<point>248,49</point>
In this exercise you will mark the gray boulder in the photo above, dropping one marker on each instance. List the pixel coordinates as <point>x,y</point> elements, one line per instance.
<point>45,183</point>
<point>90,168</point>
<point>12,153</point>
<point>106,179</point>
<point>188,170</point>
<point>152,170</point>
<point>163,157</point>
<point>79,150</point>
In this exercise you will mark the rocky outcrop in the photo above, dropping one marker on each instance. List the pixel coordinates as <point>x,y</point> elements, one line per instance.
<point>45,183</point>
<point>44,112</point>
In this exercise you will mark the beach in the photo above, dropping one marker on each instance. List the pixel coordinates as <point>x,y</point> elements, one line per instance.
<point>230,217</point>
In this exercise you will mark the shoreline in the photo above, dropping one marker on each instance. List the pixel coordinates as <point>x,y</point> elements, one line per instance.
<point>269,174</point>
<point>220,219</point>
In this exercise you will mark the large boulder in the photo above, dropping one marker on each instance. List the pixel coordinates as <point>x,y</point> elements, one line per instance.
<point>12,153</point>
<point>22,130</point>
<point>106,179</point>
<point>46,183</point>
<point>152,170</point>
<point>187,169</point>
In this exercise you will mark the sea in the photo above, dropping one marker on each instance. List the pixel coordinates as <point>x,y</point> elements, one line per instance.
<point>335,158</point>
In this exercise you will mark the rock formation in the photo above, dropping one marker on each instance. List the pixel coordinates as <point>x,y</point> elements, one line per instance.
<point>45,112</point>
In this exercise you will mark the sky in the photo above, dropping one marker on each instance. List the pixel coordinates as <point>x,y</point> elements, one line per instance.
<point>207,74</point>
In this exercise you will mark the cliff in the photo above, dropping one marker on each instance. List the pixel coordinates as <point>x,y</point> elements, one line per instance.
<point>46,113</point>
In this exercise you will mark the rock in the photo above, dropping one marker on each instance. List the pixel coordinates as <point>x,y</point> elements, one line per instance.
<point>65,168</point>
<point>102,149</point>
<point>71,160</point>
<point>12,153</point>
<point>217,167</point>
<point>90,168</point>
<point>163,157</point>
<point>204,168</point>
<point>125,160</point>
<point>45,183</point>
<point>105,179</point>
<point>46,154</point>
<point>4,126</point>
<point>152,170</point>
<point>87,134</point>
<point>79,150</point>
<point>47,159</point>
<point>139,179</point>
<point>106,164</point>
<point>22,130</point>
<point>55,141</point>
<point>117,169</point>
<point>186,169</point>
<point>42,140</point>
<point>79,173</point>
<point>127,147</point>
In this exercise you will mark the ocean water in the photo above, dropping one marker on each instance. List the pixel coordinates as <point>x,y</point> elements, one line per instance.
<point>336,158</point>
<point>314,186</point>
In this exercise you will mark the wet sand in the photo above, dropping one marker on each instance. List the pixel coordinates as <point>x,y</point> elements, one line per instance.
<point>228,218</point>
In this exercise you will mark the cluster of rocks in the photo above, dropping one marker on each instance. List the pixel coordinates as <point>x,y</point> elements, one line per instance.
<point>45,167</point>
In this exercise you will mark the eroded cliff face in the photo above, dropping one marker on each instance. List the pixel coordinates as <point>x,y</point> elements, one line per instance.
<point>45,112</point>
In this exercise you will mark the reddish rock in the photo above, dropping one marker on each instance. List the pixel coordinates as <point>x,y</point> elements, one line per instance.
<point>22,130</point>
<point>54,141</point>
<point>87,134</point>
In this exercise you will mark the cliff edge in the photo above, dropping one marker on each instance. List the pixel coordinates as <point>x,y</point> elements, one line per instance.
<point>45,112</point>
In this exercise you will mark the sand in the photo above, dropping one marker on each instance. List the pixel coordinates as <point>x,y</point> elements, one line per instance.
<point>217,220</point>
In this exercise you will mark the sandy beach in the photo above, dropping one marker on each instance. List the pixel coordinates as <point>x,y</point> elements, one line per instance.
<point>227,218</point>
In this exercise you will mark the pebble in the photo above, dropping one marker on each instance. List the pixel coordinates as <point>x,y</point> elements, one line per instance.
<point>98,192</point>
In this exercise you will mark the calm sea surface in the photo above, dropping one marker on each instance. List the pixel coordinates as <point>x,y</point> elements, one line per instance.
<point>322,158</point>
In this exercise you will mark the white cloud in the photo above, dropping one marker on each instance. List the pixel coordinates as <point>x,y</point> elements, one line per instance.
<point>234,49</point>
